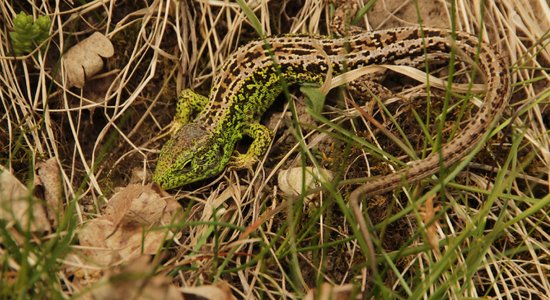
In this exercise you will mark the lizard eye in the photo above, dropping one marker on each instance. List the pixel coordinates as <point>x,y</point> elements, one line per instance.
<point>187,166</point>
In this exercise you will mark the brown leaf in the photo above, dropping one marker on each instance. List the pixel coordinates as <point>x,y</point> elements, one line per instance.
<point>15,201</point>
<point>428,213</point>
<point>127,230</point>
<point>292,180</point>
<point>140,204</point>
<point>327,291</point>
<point>220,290</point>
<point>97,87</point>
<point>136,281</point>
<point>84,59</point>
<point>49,177</point>
<point>93,236</point>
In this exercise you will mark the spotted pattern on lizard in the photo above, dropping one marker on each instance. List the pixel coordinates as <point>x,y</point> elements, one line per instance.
<point>258,72</point>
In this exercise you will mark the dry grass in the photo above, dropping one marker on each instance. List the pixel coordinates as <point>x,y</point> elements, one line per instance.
<point>486,234</point>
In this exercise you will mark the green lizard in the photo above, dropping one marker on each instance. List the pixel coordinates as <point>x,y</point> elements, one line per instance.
<point>249,82</point>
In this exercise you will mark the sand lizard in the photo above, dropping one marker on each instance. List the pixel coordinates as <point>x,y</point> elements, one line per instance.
<point>250,81</point>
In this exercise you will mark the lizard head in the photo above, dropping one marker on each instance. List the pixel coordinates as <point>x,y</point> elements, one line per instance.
<point>190,155</point>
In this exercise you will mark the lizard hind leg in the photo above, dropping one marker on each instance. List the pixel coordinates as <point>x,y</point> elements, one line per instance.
<point>341,23</point>
<point>368,88</point>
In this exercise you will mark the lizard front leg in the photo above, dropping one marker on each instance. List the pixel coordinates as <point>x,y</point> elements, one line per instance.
<point>190,104</point>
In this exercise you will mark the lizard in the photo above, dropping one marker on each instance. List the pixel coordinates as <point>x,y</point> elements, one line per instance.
<point>254,75</point>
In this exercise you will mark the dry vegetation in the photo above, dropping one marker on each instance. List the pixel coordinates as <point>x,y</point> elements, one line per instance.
<point>86,155</point>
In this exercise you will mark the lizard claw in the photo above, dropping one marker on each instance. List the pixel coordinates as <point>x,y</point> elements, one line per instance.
<point>243,161</point>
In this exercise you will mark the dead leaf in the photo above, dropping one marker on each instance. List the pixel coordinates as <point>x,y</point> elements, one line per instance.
<point>85,59</point>
<point>15,201</point>
<point>97,87</point>
<point>49,177</point>
<point>220,290</point>
<point>327,291</point>
<point>291,181</point>
<point>428,213</point>
<point>136,281</point>
<point>214,204</point>
<point>138,175</point>
<point>128,229</point>
<point>93,236</point>
<point>138,204</point>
